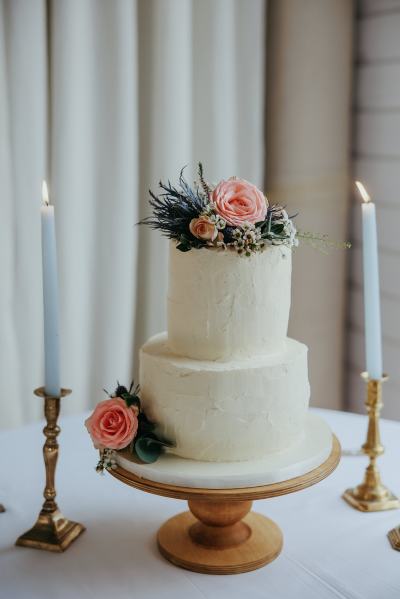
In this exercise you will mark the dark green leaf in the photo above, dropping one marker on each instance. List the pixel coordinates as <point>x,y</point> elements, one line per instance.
<point>183,247</point>
<point>145,425</point>
<point>185,239</point>
<point>148,449</point>
<point>131,400</point>
<point>277,229</point>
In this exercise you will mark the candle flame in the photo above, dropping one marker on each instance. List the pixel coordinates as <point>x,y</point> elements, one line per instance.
<point>363,192</point>
<point>45,193</point>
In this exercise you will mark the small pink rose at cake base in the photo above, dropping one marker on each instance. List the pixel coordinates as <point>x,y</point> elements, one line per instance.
<point>238,201</point>
<point>113,424</point>
<point>203,228</point>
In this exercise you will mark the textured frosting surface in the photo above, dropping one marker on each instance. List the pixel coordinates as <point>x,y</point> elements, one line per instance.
<point>223,306</point>
<point>226,411</point>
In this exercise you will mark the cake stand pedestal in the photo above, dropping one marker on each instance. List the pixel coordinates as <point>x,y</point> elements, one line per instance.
<point>220,535</point>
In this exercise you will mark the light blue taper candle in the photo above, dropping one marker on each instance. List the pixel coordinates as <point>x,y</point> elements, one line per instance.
<point>372,307</point>
<point>50,298</point>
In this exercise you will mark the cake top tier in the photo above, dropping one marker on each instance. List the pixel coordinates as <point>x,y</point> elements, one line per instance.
<point>222,307</point>
<point>230,267</point>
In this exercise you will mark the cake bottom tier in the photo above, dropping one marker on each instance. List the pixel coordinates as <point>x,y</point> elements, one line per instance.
<point>225,411</point>
<point>309,453</point>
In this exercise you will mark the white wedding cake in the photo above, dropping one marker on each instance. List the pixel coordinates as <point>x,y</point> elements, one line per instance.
<point>223,395</point>
<point>225,383</point>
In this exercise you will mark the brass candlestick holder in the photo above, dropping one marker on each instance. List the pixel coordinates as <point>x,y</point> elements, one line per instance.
<point>52,531</point>
<point>394,538</point>
<point>371,495</point>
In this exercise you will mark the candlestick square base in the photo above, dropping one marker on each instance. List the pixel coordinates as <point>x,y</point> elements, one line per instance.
<point>52,532</point>
<point>394,538</point>
<point>365,501</point>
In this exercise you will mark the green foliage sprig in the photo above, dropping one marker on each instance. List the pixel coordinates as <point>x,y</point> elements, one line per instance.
<point>322,242</point>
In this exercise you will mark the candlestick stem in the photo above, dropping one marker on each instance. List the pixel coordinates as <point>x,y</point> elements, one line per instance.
<point>371,495</point>
<point>52,531</point>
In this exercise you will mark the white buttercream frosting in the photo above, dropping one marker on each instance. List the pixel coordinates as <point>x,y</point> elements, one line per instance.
<point>223,306</point>
<point>226,411</point>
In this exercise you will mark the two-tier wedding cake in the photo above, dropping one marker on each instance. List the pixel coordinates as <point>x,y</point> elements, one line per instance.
<point>223,390</point>
<point>225,382</point>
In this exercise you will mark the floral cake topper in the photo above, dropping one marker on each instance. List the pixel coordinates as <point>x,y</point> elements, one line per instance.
<point>232,215</point>
<point>120,422</point>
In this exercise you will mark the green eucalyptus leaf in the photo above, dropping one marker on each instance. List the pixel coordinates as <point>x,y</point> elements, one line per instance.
<point>148,449</point>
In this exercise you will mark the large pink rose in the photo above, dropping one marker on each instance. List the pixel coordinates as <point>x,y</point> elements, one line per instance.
<point>239,201</point>
<point>112,424</point>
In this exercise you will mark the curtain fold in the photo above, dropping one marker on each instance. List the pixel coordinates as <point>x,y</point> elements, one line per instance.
<point>94,188</point>
<point>23,111</point>
<point>138,89</point>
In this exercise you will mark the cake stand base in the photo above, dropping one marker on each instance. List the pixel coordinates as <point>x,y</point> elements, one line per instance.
<point>220,535</point>
<point>177,542</point>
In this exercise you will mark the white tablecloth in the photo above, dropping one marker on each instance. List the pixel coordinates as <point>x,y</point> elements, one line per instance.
<point>330,550</point>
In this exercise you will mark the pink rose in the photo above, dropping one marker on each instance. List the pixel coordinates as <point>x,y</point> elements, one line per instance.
<point>203,228</point>
<point>112,424</point>
<point>239,201</point>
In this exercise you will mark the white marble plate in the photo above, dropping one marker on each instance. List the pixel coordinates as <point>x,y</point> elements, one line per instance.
<point>309,453</point>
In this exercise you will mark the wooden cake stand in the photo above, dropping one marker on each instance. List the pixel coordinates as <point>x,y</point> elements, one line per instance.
<point>220,535</point>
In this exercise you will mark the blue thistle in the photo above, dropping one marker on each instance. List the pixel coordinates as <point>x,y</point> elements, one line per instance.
<point>173,210</point>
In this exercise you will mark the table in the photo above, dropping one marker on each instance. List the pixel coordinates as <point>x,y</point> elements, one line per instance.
<point>331,551</point>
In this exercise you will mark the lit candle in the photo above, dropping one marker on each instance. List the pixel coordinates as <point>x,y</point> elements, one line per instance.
<point>372,308</point>
<point>50,297</point>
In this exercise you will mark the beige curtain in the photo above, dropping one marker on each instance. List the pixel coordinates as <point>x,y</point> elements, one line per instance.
<point>308,158</point>
<point>376,162</point>
<point>137,89</point>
